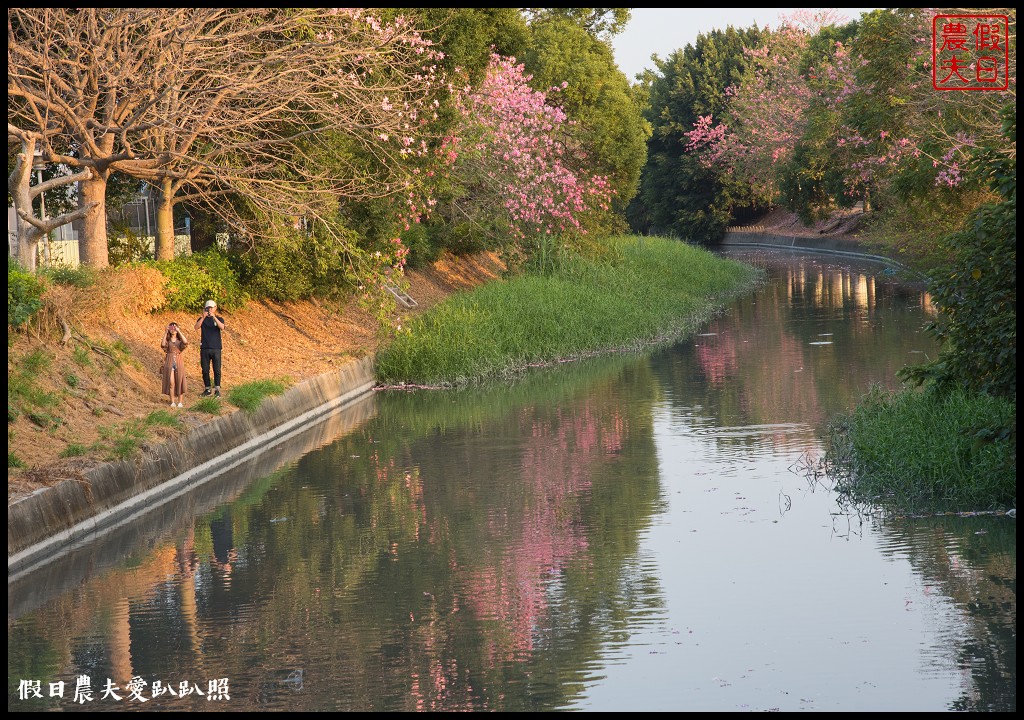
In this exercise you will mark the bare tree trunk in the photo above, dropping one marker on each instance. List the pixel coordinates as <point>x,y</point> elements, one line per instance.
<point>27,240</point>
<point>165,221</point>
<point>18,186</point>
<point>92,243</point>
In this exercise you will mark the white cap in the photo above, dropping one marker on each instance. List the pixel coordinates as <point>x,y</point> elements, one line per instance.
<point>210,303</point>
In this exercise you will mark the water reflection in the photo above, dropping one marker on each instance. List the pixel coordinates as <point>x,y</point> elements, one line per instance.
<point>806,346</point>
<point>973,563</point>
<point>623,533</point>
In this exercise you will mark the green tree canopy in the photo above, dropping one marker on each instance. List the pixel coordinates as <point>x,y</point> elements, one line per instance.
<point>678,195</point>
<point>608,124</point>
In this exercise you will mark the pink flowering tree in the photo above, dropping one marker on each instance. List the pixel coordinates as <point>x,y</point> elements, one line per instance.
<point>767,115</point>
<point>511,165</point>
<point>825,116</point>
<point>768,110</point>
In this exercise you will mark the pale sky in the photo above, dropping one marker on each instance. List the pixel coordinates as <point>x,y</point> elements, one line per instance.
<point>663,30</point>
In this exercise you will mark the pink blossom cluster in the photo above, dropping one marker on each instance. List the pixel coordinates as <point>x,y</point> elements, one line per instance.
<point>514,151</point>
<point>873,159</point>
<point>767,114</point>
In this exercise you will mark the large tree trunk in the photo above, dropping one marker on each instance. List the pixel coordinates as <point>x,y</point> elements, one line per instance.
<point>26,237</point>
<point>26,240</point>
<point>92,243</point>
<point>165,221</point>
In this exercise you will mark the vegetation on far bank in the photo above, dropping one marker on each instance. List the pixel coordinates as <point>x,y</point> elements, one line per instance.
<point>644,291</point>
<point>951,443</point>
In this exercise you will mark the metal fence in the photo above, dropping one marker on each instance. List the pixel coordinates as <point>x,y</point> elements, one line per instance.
<point>60,247</point>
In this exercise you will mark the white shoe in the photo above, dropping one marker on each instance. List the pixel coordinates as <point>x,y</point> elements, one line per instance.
<point>180,405</point>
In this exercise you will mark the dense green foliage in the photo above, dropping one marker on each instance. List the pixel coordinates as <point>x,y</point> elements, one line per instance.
<point>609,128</point>
<point>194,279</point>
<point>124,246</point>
<point>24,290</point>
<point>925,452</point>
<point>816,115</point>
<point>977,292</point>
<point>648,291</point>
<point>678,195</point>
<point>81,276</point>
<point>297,265</point>
<point>469,35</point>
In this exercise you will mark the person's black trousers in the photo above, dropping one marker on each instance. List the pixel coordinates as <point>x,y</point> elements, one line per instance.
<point>207,358</point>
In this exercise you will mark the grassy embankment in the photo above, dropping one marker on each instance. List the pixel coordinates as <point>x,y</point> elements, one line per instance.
<point>914,452</point>
<point>646,292</point>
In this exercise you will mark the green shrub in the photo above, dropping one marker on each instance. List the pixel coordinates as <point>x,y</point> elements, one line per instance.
<point>298,265</point>
<point>82,276</point>
<point>71,379</point>
<point>124,246</point>
<point>977,293</point>
<point>422,251</point>
<point>13,461</point>
<point>196,278</point>
<point>277,270</point>
<point>24,291</point>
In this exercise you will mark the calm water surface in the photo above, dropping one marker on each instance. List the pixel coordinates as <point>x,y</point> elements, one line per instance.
<point>627,533</point>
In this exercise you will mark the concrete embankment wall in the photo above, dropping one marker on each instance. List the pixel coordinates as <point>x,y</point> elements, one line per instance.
<point>54,518</point>
<point>814,243</point>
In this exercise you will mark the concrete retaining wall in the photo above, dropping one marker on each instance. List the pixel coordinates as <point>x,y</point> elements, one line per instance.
<point>815,243</point>
<point>53,518</point>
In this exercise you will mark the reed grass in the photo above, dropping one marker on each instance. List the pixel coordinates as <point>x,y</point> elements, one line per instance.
<point>916,451</point>
<point>649,291</point>
<point>249,395</point>
<point>208,405</point>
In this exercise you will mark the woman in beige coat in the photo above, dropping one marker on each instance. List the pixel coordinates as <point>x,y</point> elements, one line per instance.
<point>173,371</point>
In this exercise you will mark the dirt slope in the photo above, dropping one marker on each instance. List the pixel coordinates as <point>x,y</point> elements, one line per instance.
<point>106,376</point>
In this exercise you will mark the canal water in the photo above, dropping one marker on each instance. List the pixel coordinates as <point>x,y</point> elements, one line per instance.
<point>640,532</point>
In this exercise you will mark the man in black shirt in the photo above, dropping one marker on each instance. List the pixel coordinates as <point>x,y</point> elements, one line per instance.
<point>210,324</point>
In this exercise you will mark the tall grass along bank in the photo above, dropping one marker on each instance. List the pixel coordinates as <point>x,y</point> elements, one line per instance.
<point>647,291</point>
<point>915,451</point>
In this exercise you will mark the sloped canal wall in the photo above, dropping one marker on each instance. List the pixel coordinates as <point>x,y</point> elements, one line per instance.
<point>54,518</point>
